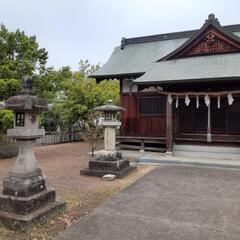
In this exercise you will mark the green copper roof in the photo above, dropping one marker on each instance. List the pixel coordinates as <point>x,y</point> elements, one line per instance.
<point>135,58</point>
<point>202,67</point>
<point>138,57</point>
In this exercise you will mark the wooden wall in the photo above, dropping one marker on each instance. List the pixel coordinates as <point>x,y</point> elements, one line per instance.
<point>189,123</point>
<point>133,124</point>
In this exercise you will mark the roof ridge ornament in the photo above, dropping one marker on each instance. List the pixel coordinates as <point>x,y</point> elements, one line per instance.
<point>212,19</point>
<point>123,43</point>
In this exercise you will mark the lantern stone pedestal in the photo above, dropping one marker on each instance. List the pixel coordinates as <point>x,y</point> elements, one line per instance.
<point>109,161</point>
<point>25,198</point>
<point>108,164</point>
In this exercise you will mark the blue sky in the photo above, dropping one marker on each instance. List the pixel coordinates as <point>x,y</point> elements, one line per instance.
<point>89,29</point>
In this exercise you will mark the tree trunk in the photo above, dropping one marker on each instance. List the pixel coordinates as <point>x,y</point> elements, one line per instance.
<point>92,151</point>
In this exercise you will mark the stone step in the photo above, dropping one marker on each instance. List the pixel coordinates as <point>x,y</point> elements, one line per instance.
<point>231,153</point>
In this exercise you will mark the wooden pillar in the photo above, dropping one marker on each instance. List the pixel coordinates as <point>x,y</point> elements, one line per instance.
<point>169,134</point>
<point>209,134</point>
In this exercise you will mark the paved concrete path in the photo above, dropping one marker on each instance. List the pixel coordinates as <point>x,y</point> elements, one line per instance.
<point>169,203</point>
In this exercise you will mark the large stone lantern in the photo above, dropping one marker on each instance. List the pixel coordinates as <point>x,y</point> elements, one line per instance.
<point>25,197</point>
<point>109,161</point>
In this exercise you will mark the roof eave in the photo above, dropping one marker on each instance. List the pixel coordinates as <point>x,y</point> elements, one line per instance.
<point>116,76</point>
<point>167,82</point>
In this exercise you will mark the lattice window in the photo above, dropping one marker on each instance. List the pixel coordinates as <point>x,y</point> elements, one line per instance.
<point>152,105</point>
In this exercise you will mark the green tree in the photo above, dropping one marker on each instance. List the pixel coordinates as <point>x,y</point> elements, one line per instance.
<point>81,94</point>
<point>19,55</point>
<point>6,117</point>
<point>9,87</point>
<point>51,83</point>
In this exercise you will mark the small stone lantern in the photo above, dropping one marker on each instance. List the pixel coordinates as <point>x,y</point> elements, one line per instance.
<point>109,161</point>
<point>110,123</point>
<point>25,197</point>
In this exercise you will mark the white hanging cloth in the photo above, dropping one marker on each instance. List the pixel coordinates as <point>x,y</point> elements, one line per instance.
<point>169,98</point>
<point>177,103</point>
<point>187,100</point>
<point>218,101</point>
<point>197,101</point>
<point>230,99</point>
<point>207,100</point>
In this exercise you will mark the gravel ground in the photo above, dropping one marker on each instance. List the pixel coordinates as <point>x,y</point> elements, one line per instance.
<point>61,164</point>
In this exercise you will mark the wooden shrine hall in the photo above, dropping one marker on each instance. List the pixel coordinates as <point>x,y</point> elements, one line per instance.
<point>179,88</point>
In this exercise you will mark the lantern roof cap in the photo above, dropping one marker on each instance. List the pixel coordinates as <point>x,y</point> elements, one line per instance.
<point>110,107</point>
<point>26,100</point>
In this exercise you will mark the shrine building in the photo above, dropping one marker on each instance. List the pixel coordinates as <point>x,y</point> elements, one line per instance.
<point>179,88</point>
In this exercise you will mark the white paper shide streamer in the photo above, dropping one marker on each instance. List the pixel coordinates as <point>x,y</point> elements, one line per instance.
<point>187,100</point>
<point>177,102</point>
<point>207,100</point>
<point>230,99</point>
<point>197,101</point>
<point>169,98</point>
<point>218,101</point>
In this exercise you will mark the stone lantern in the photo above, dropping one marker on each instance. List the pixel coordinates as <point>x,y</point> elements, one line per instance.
<point>110,123</point>
<point>109,161</point>
<point>25,197</point>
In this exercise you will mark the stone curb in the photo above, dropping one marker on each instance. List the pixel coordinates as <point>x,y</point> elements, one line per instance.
<point>187,163</point>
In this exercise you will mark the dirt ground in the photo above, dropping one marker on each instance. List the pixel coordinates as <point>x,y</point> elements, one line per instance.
<point>61,164</point>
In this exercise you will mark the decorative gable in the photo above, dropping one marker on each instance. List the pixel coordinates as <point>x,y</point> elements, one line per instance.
<point>210,39</point>
<point>212,43</point>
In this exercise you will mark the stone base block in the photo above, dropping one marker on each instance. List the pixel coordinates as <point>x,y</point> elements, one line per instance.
<point>26,205</point>
<point>106,153</point>
<point>109,177</point>
<point>22,222</point>
<point>101,172</point>
<point>168,154</point>
<point>109,165</point>
<point>24,186</point>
